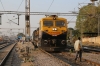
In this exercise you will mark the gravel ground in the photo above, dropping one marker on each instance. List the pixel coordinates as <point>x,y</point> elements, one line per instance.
<point>42,59</point>
<point>67,57</point>
<point>16,60</point>
<point>90,56</point>
<point>37,58</point>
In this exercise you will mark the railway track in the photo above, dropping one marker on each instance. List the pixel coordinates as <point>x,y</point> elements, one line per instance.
<point>60,61</point>
<point>68,57</point>
<point>4,45</point>
<point>86,49</point>
<point>5,53</point>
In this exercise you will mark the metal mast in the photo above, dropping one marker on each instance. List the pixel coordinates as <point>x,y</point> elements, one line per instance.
<point>27,18</point>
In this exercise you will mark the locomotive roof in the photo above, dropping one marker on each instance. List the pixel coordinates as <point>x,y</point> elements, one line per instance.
<point>54,17</point>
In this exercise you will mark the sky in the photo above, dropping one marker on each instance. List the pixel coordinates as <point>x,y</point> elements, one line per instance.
<point>60,6</point>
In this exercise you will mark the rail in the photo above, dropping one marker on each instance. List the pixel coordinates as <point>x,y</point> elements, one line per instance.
<point>5,58</point>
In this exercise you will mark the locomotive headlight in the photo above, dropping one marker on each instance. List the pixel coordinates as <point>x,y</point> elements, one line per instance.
<point>55,28</point>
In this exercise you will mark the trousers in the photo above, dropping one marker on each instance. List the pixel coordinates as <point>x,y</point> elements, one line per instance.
<point>78,53</point>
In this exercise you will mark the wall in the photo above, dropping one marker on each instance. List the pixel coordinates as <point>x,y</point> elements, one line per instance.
<point>91,39</point>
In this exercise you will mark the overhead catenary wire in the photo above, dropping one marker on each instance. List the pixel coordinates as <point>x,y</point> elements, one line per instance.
<point>4,9</point>
<point>74,9</point>
<point>20,5</point>
<point>50,5</point>
<point>17,11</point>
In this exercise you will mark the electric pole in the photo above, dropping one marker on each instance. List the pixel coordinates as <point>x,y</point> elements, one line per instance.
<point>27,18</point>
<point>0,19</point>
<point>18,18</point>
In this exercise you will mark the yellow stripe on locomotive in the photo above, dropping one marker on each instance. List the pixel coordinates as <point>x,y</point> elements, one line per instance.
<point>53,25</point>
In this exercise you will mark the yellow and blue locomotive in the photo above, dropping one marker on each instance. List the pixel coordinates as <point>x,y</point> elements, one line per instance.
<point>51,34</point>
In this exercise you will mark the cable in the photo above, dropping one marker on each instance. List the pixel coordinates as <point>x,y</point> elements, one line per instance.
<point>74,8</point>
<point>18,8</point>
<point>50,5</point>
<point>6,14</point>
<point>2,5</point>
<point>4,9</point>
<point>20,5</point>
<point>85,0</point>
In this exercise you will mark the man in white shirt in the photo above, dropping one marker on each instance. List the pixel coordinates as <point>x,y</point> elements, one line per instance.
<point>78,48</point>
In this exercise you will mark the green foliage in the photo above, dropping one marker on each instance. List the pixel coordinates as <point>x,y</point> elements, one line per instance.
<point>73,33</point>
<point>69,32</point>
<point>87,19</point>
<point>76,33</point>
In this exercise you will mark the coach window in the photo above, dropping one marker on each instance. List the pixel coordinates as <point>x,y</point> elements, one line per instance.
<point>60,23</point>
<point>48,23</point>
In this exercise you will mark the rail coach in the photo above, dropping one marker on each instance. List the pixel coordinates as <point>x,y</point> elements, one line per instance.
<point>51,34</point>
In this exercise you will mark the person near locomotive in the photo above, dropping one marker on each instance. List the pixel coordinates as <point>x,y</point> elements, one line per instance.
<point>78,49</point>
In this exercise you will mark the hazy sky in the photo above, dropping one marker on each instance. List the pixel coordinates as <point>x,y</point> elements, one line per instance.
<point>62,6</point>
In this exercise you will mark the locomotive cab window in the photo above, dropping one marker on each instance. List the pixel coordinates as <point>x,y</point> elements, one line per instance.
<point>60,23</point>
<point>48,23</point>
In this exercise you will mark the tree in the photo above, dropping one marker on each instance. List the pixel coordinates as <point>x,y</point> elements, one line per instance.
<point>87,20</point>
<point>69,32</point>
<point>73,33</point>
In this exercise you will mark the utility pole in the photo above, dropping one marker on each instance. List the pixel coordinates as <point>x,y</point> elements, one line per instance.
<point>99,21</point>
<point>18,18</point>
<point>27,18</point>
<point>93,1</point>
<point>81,23</point>
<point>98,24</point>
<point>99,2</point>
<point>0,19</point>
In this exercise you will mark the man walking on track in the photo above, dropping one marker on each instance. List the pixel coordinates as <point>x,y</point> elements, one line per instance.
<point>78,48</point>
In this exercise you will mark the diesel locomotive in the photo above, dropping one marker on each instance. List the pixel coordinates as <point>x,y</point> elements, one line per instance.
<point>51,34</point>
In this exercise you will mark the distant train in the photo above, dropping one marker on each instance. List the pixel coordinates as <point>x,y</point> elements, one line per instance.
<point>51,34</point>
